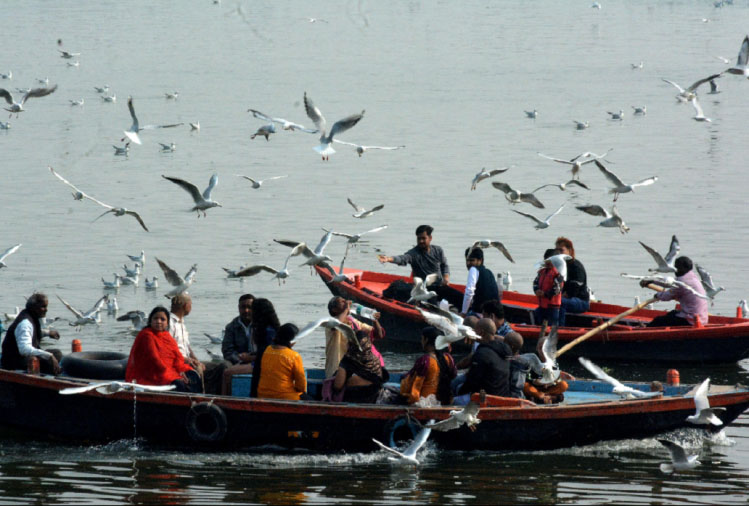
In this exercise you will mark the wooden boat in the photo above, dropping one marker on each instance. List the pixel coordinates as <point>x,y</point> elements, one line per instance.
<point>723,339</point>
<point>32,404</point>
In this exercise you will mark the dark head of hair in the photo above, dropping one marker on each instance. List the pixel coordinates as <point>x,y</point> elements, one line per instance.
<point>336,305</point>
<point>683,265</point>
<point>263,316</point>
<point>514,341</point>
<point>36,300</point>
<point>430,334</point>
<point>286,333</point>
<point>493,308</point>
<point>476,253</point>
<point>563,241</point>
<point>424,228</point>
<point>550,253</point>
<point>158,309</point>
<point>246,297</point>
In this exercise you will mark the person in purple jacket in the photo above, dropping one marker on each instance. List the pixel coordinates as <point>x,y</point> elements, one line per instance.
<point>693,307</point>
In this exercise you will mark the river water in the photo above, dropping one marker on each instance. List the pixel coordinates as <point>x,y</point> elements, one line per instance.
<point>451,81</point>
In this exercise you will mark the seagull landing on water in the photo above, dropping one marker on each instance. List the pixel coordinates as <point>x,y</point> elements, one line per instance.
<point>742,61</point>
<point>361,148</point>
<point>665,264</point>
<point>363,213</point>
<point>117,211</point>
<point>409,454</point>
<point>90,316</point>
<point>680,461</point>
<point>486,174</point>
<point>17,107</point>
<point>8,252</point>
<point>707,283</point>
<point>202,201</point>
<point>704,414</point>
<point>619,186</point>
<point>285,124</point>
<point>257,183</point>
<point>618,388</point>
<point>179,283</point>
<point>541,224</point>
<point>611,219</point>
<point>325,149</point>
<point>685,95</point>
<point>516,197</point>
<point>578,162</point>
<point>132,132</point>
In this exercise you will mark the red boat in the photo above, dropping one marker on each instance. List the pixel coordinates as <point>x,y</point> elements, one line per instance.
<point>724,339</point>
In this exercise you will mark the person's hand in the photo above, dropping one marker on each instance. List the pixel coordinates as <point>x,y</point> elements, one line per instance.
<point>183,377</point>
<point>245,358</point>
<point>54,334</point>
<point>383,259</point>
<point>56,369</point>
<point>644,283</point>
<point>376,316</point>
<point>539,293</point>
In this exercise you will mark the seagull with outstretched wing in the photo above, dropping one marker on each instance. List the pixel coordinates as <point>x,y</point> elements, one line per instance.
<point>486,243</point>
<point>619,185</point>
<point>515,197</point>
<point>179,283</point>
<point>17,107</point>
<point>704,414</point>
<point>619,388</point>
<point>361,148</point>
<point>409,454</point>
<point>112,387</point>
<point>8,252</point>
<point>363,213</point>
<point>468,416</point>
<point>132,132</point>
<point>666,264</point>
<point>486,174</point>
<point>540,224</point>
<point>611,219</point>
<point>203,200</point>
<point>325,149</point>
<point>285,124</point>
<point>90,316</point>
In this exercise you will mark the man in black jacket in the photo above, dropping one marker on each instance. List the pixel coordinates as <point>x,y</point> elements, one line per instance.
<point>490,367</point>
<point>237,346</point>
<point>575,294</point>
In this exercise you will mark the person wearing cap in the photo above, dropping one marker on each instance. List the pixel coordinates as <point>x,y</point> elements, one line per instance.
<point>481,285</point>
<point>692,298</point>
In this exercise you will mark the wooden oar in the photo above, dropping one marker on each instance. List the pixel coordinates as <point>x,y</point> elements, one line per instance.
<point>603,326</point>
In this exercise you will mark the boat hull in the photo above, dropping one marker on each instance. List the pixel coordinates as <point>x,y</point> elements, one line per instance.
<point>725,339</point>
<point>33,403</point>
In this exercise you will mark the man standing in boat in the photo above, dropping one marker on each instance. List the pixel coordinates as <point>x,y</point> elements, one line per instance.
<point>426,258</point>
<point>693,309</point>
<point>24,335</point>
<point>481,285</point>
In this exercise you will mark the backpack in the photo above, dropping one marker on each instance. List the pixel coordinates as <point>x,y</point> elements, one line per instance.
<point>398,290</point>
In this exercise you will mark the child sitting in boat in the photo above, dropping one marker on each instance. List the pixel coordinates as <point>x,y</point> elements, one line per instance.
<point>431,374</point>
<point>528,364</point>
<point>548,288</point>
<point>282,371</point>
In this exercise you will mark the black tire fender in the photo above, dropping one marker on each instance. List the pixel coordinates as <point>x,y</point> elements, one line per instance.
<point>105,365</point>
<point>206,423</point>
<point>399,429</point>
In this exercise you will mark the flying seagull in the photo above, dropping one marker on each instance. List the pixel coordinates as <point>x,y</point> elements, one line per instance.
<point>265,131</point>
<point>285,124</point>
<point>90,316</point>
<point>179,283</point>
<point>564,186</point>
<point>354,238</point>
<point>619,185</point>
<point>116,211</point>
<point>618,388</point>
<point>486,243</point>
<point>742,61</point>
<point>330,322</point>
<point>8,252</point>
<point>279,275</point>
<point>515,197</point>
<point>467,416</point>
<point>419,292</point>
<point>202,201</point>
<point>541,224</point>
<point>689,93</point>
<point>112,387</point>
<point>325,149</point>
<point>578,162</point>
<point>257,183</point>
<point>132,132</point>
<point>707,282</point>
<point>665,282</point>
<point>314,257</point>
<point>363,213</point>
<point>409,454</point>
<point>680,461</point>
<point>137,318</point>
<point>665,264</point>
<point>17,107</point>
<point>360,148</point>
<point>611,219</point>
<point>698,114</point>
<point>449,323</point>
<point>704,414</point>
<point>486,174</point>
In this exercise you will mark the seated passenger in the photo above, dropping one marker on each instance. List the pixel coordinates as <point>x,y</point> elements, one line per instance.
<point>494,310</point>
<point>490,368</point>
<point>691,298</point>
<point>237,346</point>
<point>264,327</point>
<point>282,375</point>
<point>525,374</point>
<point>336,343</point>
<point>360,374</point>
<point>155,358</point>
<point>431,374</point>
<point>22,340</point>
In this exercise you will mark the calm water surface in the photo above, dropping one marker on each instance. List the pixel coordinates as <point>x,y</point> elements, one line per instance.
<point>450,80</point>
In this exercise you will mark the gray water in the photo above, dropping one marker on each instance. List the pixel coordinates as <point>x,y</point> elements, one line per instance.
<point>450,80</point>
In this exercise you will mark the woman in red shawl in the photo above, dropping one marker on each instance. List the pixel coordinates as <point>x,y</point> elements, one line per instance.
<point>155,358</point>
